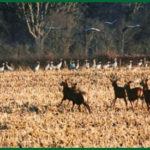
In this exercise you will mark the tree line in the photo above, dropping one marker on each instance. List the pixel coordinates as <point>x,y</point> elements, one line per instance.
<point>54,30</point>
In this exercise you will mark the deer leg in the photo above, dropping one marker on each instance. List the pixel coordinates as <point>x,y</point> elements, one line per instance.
<point>125,102</point>
<point>79,108</point>
<point>142,98</point>
<point>61,101</point>
<point>87,106</point>
<point>142,102</point>
<point>147,106</point>
<point>131,105</point>
<point>114,101</point>
<point>136,104</point>
<point>72,106</point>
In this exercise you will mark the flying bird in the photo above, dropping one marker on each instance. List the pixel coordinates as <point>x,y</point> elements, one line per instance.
<point>111,23</point>
<point>130,26</point>
<point>92,29</point>
<point>133,26</point>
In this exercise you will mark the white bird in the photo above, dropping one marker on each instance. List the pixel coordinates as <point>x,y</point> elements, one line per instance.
<point>130,65</point>
<point>133,26</point>
<point>92,29</point>
<point>146,65</point>
<point>37,66</point>
<point>47,67</point>
<point>99,65</point>
<point>9,67</point>
<point>72,65</point>
<point>87,64</point>
<point>2,68</point>
<point>58,67</point>
<point>114,65</point>
<point>111,23</point>
<point>140,63</point>
<point>107,65</point>
<point>94,63</point>
<point>52,67</point>
<point>130,26</point>
<point>78,65</point>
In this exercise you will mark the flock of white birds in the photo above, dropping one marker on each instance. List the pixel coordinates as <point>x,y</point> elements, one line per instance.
<point>95,65</point>
<point>76,65</point>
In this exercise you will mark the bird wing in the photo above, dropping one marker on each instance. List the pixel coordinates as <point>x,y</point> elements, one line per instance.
<point>133,26</point>
<point>92,29</point>
<point>95,29</point>
<point>107,22</point>
<point>114,21</point>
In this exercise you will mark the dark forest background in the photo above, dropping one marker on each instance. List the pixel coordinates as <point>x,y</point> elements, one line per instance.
<point>57,30</point>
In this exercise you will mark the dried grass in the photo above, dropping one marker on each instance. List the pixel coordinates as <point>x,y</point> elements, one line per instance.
<point>30,116</point>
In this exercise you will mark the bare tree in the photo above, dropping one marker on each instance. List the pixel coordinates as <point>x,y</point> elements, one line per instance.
<point>36,19</point>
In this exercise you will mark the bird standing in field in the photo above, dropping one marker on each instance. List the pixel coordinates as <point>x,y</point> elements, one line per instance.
<point>47,67</point>
<point>107,65</point>
<point>72,65</point>
<point>99,65</point>
<point>37,66</point>
<point>52,67</point>
<point>87,64</point>
<point>2,68</point>
<point>94,64</point>
<point>114,65</point>
<point>58,67</point>
<point>78,65</point>
<point>140,63</point>
<point>130,65</point>
<point>9,67</point>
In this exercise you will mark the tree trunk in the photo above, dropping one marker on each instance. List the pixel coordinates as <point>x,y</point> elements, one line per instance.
<point>39,44</point>
<point>122,43</point>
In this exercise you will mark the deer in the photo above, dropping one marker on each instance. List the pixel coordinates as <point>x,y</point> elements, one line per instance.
<point>133,94</point>
<point>119,92</point>
<point>74,95</point>
<point>146,92</point>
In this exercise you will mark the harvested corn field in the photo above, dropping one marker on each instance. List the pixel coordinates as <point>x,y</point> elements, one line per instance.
<point>31,115</point>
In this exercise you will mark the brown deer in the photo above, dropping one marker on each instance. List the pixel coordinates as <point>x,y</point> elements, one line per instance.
<point>119,92</point>
<point>133,94</point>
<point>74,95</point>
<point>146,92</point>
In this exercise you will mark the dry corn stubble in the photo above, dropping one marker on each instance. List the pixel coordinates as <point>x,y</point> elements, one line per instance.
<point>30,116</point>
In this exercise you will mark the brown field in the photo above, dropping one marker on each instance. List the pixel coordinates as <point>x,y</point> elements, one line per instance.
<point>30,117</point>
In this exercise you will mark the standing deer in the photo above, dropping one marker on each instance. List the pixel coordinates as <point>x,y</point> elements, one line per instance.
<point>134,93</point>
<point>146,92</point>
<point>119,92</point>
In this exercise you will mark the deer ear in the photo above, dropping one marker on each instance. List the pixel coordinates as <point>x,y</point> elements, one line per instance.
<point>146,79</point>
<point>66,81</point>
